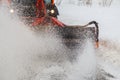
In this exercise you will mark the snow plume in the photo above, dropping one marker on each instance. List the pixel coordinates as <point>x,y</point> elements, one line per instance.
<point>27,56</point>
<point>85,67</point>
<point>82,68</point>
<point>21,48</point>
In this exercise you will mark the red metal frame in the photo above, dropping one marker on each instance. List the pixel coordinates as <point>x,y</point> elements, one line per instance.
<point>46,21</point>
<point>41,8</point>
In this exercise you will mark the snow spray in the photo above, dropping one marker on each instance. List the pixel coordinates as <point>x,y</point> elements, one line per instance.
<point>27,56</point>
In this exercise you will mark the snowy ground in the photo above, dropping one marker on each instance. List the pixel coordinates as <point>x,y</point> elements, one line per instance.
<point>27,56</point>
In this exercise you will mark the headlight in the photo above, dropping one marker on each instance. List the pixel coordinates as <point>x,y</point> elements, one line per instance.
<point>11,10</point>
<point>52,11</point>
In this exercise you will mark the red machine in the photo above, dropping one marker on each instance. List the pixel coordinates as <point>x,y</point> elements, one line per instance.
<point>44,14</point>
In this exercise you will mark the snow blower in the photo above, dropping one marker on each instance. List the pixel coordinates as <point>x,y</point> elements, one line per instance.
<point>42,13</point>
